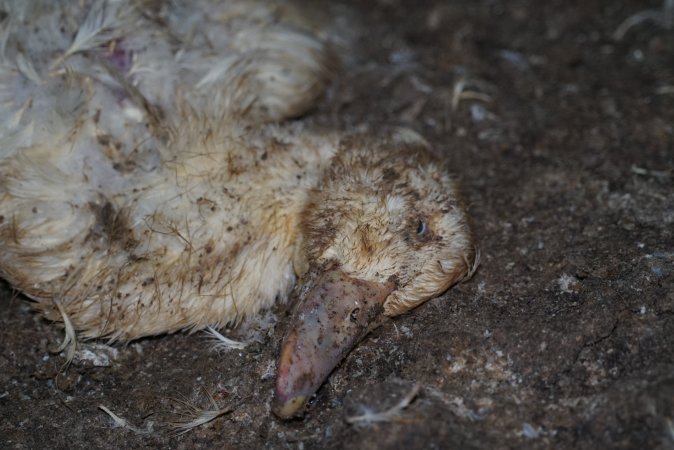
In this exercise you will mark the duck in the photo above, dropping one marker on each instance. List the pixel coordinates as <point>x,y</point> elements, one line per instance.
<point>152,181</point>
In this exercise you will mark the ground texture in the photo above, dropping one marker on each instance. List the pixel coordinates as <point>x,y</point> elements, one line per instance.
<point>563,138</point>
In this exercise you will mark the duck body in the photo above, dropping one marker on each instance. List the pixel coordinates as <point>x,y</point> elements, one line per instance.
<point>131,189</point>
<point>148,183</point>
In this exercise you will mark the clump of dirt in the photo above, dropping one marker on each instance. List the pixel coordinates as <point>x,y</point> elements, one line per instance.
<point>563,138</point>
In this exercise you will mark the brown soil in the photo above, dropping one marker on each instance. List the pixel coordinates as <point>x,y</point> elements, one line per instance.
<point>563,338</point>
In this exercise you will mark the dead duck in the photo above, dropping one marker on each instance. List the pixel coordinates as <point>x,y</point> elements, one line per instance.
<point>147,184</point>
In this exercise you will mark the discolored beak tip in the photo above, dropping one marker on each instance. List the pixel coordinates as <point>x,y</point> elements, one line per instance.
<point>289,408</point>
<point>287,401</point>
<point>334,313</point>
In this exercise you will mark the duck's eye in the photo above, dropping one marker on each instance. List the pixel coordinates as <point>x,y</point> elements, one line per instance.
<point>354,315</point>
<point>422,227</point>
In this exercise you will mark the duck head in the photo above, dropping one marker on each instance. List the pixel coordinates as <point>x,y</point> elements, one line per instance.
<point>382,232</point>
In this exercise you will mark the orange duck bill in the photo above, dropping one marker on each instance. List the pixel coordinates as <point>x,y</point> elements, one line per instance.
<point>334,313</point>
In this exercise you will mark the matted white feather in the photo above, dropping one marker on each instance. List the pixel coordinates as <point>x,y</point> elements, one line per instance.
<point>107,184</point>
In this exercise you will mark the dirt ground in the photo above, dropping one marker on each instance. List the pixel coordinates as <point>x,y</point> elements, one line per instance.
<point>564,142</point>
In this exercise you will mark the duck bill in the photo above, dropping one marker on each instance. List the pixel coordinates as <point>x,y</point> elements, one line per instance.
<point>335,312</point>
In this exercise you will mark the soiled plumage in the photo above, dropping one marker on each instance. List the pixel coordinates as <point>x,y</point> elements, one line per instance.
<point>148,183</point>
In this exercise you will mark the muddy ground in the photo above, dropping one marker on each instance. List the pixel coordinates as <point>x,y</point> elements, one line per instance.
<point>564,143</point>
